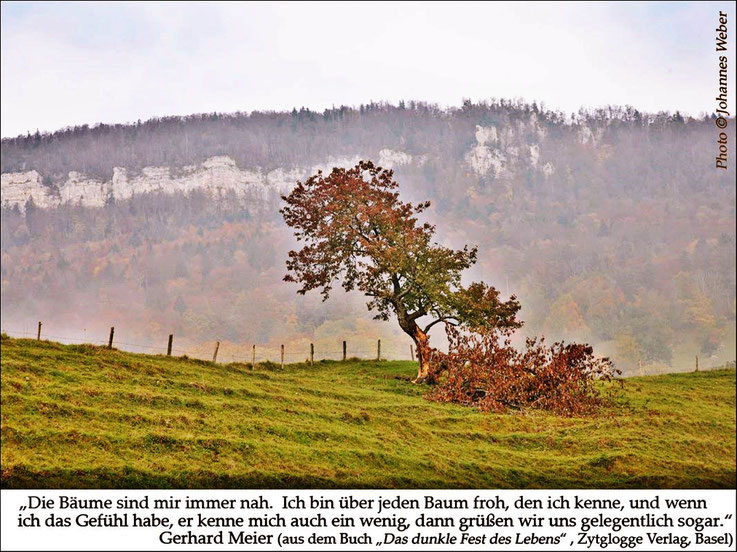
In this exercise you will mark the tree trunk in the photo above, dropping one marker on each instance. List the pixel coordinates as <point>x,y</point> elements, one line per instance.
<point>422,343</point>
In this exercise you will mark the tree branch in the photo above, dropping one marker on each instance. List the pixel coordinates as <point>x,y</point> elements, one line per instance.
<point>446,319</point>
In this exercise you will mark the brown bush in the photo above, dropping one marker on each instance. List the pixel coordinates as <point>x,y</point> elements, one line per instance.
<point>483,370</point>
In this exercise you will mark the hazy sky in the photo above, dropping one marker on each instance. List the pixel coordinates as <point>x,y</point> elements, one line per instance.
<point>66,64</point>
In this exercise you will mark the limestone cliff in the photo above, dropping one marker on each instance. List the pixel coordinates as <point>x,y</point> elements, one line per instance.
<point>499,152</point>
<point>502,153</point>
<point>218,176</point>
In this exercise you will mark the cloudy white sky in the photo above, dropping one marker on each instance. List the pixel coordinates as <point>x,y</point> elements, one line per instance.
<point>65,64</point>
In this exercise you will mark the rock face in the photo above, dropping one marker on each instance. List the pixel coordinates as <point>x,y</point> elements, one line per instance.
<point>218,176</point>
<point>500,152</point>
<point>548,169</point>
<point>18,188</point>
<point>78,189</point>
<point>483,159</point>
<point>390,158</point>
<point>486,134</point>
<point>534,154</point>
<point>503,153</point>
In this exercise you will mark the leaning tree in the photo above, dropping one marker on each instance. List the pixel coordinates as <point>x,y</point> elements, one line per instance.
<point>357,230</point>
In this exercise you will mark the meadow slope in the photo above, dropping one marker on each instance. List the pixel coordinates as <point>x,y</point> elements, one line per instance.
<point>84,416</point>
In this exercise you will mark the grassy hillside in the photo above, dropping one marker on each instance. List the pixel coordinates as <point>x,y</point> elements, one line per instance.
<point>85,416</point>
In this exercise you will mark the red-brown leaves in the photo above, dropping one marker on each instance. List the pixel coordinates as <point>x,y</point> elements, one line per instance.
<point>356,228</point>
<point>355,225</point>
<point>485,371</point>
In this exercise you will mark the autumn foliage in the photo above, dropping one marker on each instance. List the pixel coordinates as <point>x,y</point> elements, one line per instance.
<point>356,230</point>
<point>483,369</point>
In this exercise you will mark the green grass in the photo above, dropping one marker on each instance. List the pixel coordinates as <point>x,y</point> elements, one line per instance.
<point>84,416</point>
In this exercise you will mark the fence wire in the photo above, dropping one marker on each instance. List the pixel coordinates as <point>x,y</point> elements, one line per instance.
<point>199,352</point>
<point>290,356</point>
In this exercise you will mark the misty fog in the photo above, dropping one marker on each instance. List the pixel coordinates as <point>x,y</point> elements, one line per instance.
<point>611,227</point>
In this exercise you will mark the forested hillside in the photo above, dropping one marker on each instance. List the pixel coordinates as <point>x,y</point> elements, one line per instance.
<point>611,226</point>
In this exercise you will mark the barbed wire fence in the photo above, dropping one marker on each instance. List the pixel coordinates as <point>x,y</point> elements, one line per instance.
<point>258,353</point>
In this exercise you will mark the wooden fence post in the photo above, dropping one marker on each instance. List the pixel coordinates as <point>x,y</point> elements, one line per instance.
<point>253,357</point>
<point>344,351</point>
<point>411,352</point>
<point>697,363</point>
<point>312,354</point>
<point>378,350</point>
<point>282,357</point>
<point>168,347</point>
<point>110,341</point>
<point>215,354</point>
<point>39,331</point>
